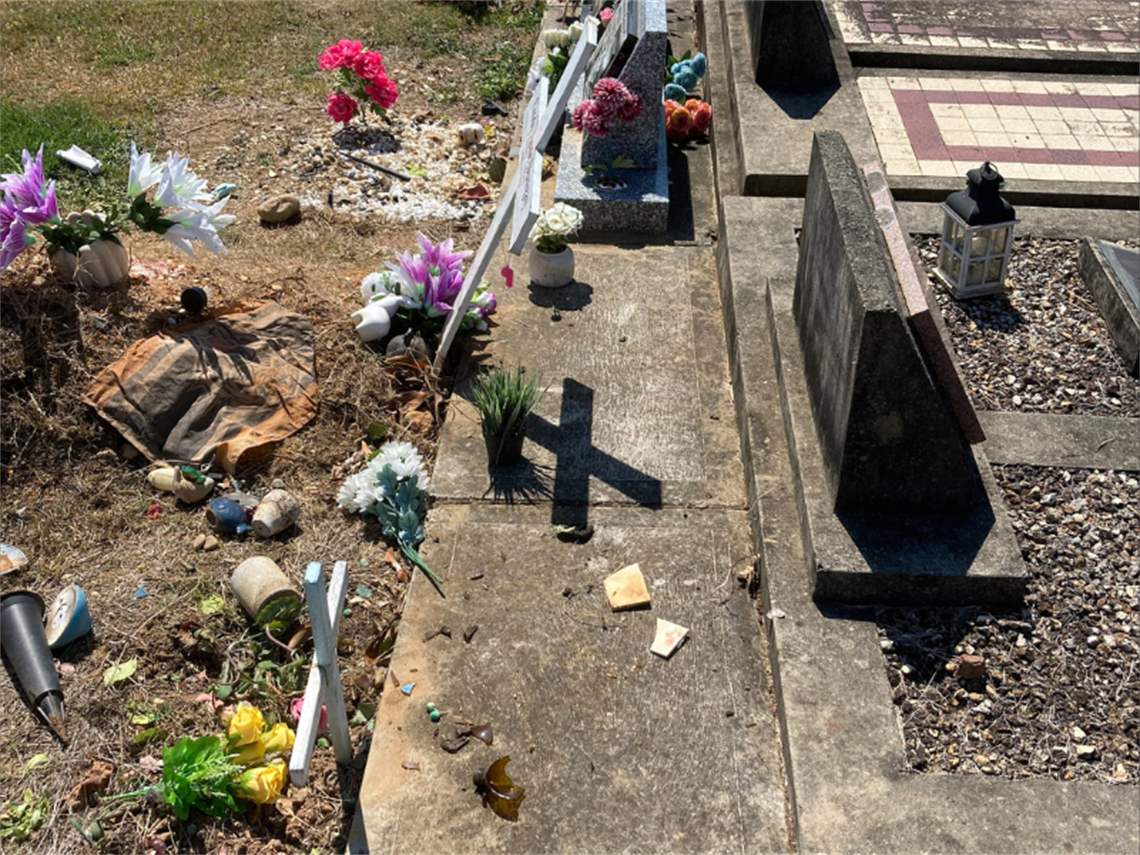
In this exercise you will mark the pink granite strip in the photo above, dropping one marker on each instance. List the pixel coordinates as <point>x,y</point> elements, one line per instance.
<point>1110,36</point>
<point>1022,99</point>
<point>881,28</point>
<point>930,329</point>
<point>939,31</point>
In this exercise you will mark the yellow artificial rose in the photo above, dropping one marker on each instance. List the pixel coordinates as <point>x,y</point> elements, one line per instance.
<point>245,727</point>
<point>262,785</point>
<point>250,754</point>
<point>278,738</point>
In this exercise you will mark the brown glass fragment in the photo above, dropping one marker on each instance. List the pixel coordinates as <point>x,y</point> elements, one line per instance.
<point>484,733</point>
<point>469,633</point>
<point>499,792</point>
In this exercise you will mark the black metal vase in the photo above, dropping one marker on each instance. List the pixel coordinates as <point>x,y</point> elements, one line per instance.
<point>504,450</point>
<point>25,645</point>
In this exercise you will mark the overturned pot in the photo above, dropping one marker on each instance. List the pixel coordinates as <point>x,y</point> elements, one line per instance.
<point>258,582</point>
<point>275,513</point>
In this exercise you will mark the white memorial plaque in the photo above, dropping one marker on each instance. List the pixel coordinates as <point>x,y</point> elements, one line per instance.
<point>528,204</point>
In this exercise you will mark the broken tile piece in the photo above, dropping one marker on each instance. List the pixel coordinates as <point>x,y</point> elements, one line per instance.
<point>668,639</point>
<point>626,589</point>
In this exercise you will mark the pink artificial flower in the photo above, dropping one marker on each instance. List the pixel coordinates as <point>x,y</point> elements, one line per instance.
<point>369,65</point>
<point>588,117</point>
<point>678,124</point>
<point>606,15</point>
<point>610,95</point>
<point>382,92</point>
<point>295,707</point>
<point>341,107</point>
<point>632,108</point>
<point>342,54</point>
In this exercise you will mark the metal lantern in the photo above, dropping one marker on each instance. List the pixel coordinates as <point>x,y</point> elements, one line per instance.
<point>977,233</point>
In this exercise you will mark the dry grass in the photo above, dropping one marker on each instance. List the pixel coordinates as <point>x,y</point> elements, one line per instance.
<point>78,508</point>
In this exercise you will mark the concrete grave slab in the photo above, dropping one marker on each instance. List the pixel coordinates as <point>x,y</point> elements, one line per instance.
<point>851,791</point>
<point>618,749</point>
<point>772,131</point>
<point>634,414</point>
<point>1047,439</point>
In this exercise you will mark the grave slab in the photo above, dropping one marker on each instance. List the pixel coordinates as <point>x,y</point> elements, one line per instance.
<point>1047,439</point>
<point>618,750</point>
<point>846,762</point>
<point>633,49</point>
<point>630,351</point>
<point>1110,271</point>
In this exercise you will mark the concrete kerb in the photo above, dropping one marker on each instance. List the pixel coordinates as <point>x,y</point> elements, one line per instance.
<point>843,744</point>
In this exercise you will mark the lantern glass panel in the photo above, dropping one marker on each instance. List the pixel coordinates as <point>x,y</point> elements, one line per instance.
<point>1001,238</point>
<point>954,268</point>
<point>980,243</point>
<point>974,273</point>
<point>956,236</point>
<point>993,269</point>
<point>944,260</point>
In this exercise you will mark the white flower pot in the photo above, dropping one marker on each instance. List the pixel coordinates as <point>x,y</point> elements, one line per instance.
<point>101,264</point>
<point>551,270</point>
<point>372,322</point>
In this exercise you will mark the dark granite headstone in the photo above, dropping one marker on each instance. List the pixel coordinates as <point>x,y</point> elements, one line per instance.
<point>889,440</point>
<point>791,50</point>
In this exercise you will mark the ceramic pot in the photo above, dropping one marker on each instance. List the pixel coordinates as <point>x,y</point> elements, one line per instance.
<point>551,270</point>
<point>372,322</point>
<point>227,516</point>
<point>99,265</point>
<point>504,450</point>
<point>275,513</point>
<point>68,618</point>
<point>257,582</point>
<point>25,644</point>
<point>162,479</point>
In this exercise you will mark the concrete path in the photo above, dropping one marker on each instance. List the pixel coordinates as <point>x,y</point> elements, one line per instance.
<point>618,749</point>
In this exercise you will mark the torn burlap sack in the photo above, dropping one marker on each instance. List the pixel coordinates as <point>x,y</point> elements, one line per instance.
<point>227,388</point>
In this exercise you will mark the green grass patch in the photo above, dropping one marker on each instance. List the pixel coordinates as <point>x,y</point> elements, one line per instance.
<point>503,72</point>
<point>58,126</point>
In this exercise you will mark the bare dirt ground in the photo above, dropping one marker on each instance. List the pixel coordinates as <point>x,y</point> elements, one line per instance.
<point>78,507</point>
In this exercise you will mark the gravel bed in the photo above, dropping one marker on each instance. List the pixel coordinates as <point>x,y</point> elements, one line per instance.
<point>1043,347</point>
<point>1059,691</point>
<point>429,151</point>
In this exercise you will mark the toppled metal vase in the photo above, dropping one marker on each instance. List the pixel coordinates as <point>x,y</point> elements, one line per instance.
<point>227,517</point>
<point>25,645</point>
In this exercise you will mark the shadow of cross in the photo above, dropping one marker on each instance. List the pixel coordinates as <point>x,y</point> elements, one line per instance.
<point>571,441</point>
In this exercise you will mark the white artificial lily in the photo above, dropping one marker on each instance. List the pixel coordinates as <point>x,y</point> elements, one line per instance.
<point>144,174</point>
<point>179,187</point>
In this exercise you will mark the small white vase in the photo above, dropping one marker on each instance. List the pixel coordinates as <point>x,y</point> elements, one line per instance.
<point>372,322</point>
<point>101,264</point>
<point>551,269</point>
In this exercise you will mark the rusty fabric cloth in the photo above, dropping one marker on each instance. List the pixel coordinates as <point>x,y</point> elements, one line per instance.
<point>229,387</point>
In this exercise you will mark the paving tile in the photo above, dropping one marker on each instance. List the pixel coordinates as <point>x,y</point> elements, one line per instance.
<point>1043,172</point>
<point>1121,174</point>
<point>1077,172</point>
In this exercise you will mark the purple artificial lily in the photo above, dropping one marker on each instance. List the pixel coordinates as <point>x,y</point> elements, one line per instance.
<point>35,203</point>
<point>14,237</point>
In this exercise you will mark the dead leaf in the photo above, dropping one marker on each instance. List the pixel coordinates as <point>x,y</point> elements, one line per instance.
<point>477,191</point>
<point>420,421</point>
<point>390,557</point>
<point>97,780</point>
<point>402,575</point>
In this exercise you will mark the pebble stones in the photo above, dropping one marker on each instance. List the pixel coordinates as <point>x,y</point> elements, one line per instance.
<point>279,209</point>
<point>1057,695</point>
<point>1044,348</point>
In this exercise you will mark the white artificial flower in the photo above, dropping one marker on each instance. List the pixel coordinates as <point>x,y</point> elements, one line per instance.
<point>144,174</point>
<point>376,283</point>
<point>576,30</point>
<point>198,223</point>
<point>178,186</point>
<point>556,38</point>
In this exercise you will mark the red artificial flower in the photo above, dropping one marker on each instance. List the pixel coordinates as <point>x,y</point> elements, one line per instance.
<point>341,107</point>
<point>369,65</point>
<point>382,92</point>
<point>342,54</point>
<point>632,108</point>
<point>678,124</point>
<point>590,118</point>
<point>702,118</point>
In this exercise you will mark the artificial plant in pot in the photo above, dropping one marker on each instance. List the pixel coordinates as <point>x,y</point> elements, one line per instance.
<point>551,260</point>
<point>85,247</point>
<point>504,399</point>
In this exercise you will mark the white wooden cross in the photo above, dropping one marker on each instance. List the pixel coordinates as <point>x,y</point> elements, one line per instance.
<point>324,686</point>
<point>542,122</point>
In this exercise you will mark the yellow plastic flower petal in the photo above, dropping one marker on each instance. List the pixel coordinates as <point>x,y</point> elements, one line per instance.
<point>246,725</point>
